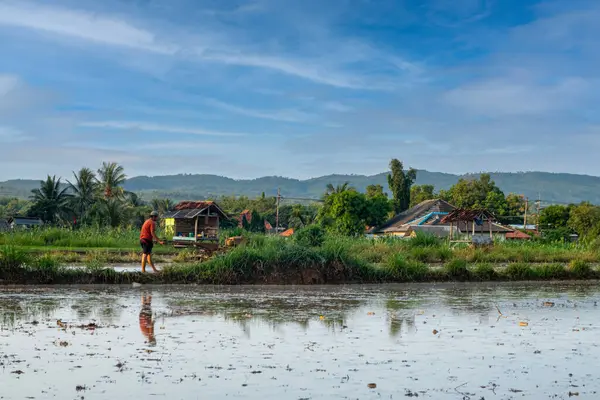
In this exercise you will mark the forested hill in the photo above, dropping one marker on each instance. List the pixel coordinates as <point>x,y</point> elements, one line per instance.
<point>550,187</point>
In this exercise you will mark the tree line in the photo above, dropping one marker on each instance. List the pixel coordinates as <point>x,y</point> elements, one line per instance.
<point>98,198</point>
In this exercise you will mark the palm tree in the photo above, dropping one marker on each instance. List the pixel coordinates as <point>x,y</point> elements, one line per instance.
<point>337,189</point>
<point>50,202</point>
<point>84,191</point>
<point>162,205</point>
<point>111,177</point>
<point>134,200</point>
<point>112,212</point>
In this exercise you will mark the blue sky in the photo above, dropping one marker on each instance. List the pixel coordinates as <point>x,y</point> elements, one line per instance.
<point>299,89</point>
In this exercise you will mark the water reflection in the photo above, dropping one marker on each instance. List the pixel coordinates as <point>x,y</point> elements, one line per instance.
<point>146,319</point>
<point>315,342</point>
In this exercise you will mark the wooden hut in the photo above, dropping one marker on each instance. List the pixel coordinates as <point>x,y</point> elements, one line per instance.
<point>470,221</point>
<point>195,223</point>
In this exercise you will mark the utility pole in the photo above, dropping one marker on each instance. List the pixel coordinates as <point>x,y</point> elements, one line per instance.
<point>277,212</point>
<point>537,222</point>
<point>525,216</point>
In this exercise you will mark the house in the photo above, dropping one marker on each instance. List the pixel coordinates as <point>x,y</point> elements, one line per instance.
<point>194,223</point>
<point>517,235</point>
<point>430,216</point>
<point>24,222</point>
<point>427,212</point>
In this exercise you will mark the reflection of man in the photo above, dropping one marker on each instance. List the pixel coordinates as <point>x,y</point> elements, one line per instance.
<point>147,320</point>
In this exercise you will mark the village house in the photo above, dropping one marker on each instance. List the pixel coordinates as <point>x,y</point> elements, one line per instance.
<point>429,217</point>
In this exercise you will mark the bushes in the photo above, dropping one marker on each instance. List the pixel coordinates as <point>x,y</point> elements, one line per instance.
<point>579,269</point>
<point>311,236</point>
<point>406,271</point>
<point>457,269</point>
<point>484,272</point>
<point>519,271</point>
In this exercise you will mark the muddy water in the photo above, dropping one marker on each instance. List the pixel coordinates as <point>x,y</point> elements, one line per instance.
<point>373,342</point>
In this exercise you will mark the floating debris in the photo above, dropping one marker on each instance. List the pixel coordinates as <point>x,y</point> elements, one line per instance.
<point>435,331</point>
<point>372,385</point>
<point>522,323</point>
<point>548,304</point>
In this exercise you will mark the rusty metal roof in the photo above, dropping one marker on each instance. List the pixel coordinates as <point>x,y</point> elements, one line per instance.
<point>462,214</point>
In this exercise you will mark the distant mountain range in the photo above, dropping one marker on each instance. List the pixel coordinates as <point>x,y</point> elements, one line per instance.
<point>550,187</point>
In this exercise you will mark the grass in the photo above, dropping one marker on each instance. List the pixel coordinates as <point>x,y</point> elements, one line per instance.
<point>266,259</point>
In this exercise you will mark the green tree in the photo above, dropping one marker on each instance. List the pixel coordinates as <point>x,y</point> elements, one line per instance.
<point>330,189</point>
<point>375,191</point>
<point>377,210</point>
<point>421,193</point>
<point>111,177</point>
<point>345,213</point>
<point>476,193</point>
<point>111,212</point>
<point>84,191</point>
<point>585,220</point>
<point>400,183</point>
<point>50,201</point>
<point>162,205</point>
<point>555,216</point>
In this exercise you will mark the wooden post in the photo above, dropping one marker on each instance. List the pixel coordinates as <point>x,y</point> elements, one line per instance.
<point>196,229</point>
<point>491,234</point>
<point>451,230</point>
<point>525,216</point>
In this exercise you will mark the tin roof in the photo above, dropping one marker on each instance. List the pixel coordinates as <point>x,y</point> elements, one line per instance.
<point>421,210</point>
<point>191,209</point>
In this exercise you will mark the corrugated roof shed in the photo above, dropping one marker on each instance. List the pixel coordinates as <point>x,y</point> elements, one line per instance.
<point>191,209</point>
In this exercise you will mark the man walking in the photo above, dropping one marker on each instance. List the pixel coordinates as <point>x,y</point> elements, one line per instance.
<point>147,239</point>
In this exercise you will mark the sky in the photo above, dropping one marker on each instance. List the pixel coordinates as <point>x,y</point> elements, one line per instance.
<point>298,88</point>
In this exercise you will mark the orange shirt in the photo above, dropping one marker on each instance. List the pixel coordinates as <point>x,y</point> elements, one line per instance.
<point>147,230</point>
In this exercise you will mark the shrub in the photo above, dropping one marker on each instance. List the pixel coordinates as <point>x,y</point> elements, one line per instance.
<point>457,269</point>
<point>579,269</point>
<point>484,272</point>
<point>406,271</point>
<point>311,236</point>
<point>519,271</point>
<point>550,271</point>
<point>424,240</point>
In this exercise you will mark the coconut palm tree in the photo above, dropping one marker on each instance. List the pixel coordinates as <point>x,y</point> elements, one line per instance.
<point>162,205</point>
<point>50,201</point>
<point>111,177</point>
<point>84,191</point>
<point>112,212</point>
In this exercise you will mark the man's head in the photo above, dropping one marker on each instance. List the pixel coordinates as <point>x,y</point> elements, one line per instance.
<point>154,215</point>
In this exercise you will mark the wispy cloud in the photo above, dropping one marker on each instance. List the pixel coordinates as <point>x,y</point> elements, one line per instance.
<point>12,135</point>
<point>81,25</point>
<point>150,127</point>
<point>205,47</point>
<point>289,115</point>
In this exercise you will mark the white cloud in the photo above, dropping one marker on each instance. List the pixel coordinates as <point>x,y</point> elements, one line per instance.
<point>151,127</point>
<point>11,135</point>
<point>80,25</point>
<point>335,106</point>
<point>502,97</point>
<point>277,115</point>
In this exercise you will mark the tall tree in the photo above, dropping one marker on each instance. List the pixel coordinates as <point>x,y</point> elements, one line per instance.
<point>420,193</point>
<point>375,191</point>
<point>50,202</point>
<point>111,178</point>
<point>400,183</point>
<point>555,216</point>
<point>84,191</point>
<point>585,220</point>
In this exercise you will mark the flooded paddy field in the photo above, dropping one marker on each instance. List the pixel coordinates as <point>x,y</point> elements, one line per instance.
<point>449,341</point>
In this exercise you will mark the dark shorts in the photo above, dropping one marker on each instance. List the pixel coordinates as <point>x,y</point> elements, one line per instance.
<point>147,246</point>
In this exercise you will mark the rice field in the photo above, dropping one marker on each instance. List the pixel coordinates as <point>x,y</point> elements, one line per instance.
<point>275,260</point>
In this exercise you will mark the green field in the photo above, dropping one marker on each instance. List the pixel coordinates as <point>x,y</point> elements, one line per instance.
<point>43,257</point>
